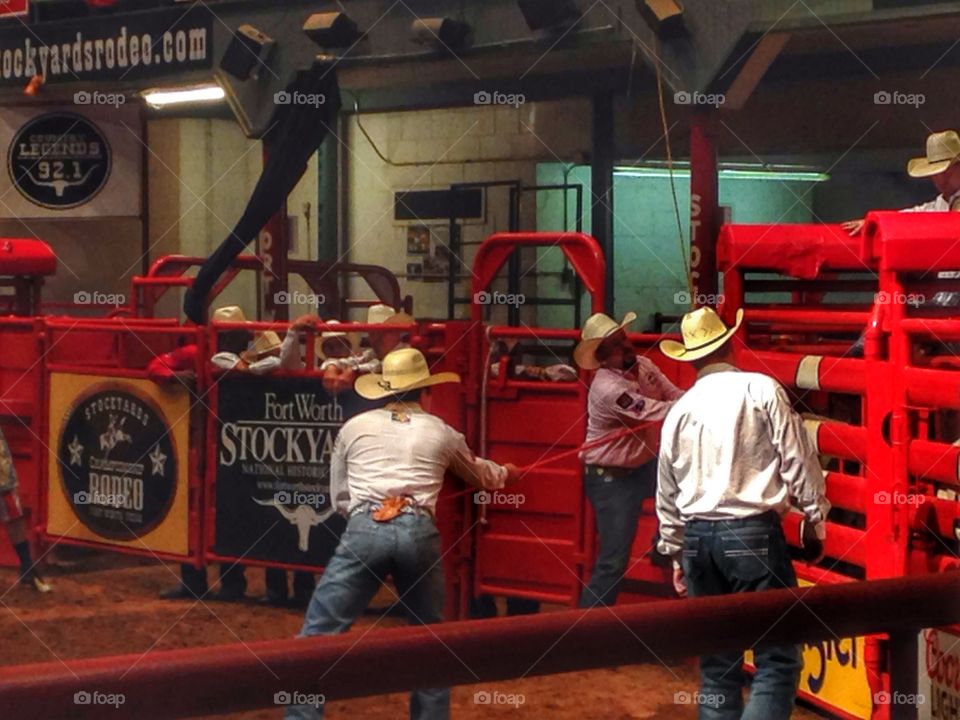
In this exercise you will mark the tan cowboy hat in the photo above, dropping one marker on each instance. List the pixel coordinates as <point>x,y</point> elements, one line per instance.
<point>703,332</point>
<point>228,313</point>
<point>596,329</point>
<point>327,335</point>
<point>942,149</point>
<point>381,314</point>
<point>263,343</point>
<point>403,370</point>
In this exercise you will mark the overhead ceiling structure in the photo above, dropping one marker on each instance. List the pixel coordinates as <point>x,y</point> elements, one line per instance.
<point>767,57</point>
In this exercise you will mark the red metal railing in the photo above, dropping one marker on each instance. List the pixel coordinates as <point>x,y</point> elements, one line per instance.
<point>240,677</point>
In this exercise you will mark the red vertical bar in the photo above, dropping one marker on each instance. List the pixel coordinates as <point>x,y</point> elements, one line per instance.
<point>704,209</point>
<point>274,246</point>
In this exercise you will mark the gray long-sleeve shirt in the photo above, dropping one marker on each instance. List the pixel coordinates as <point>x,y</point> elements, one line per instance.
<point>733,447</point>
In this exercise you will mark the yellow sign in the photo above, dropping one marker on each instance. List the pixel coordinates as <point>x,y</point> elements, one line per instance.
<point>118,472</point>
<point>834,674</point>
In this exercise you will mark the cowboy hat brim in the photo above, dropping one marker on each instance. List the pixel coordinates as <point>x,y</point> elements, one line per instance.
<point>585,353</point>
<point>400,318</point>
<point>352,340</point>
<point>921,167</point>
<point>368,386</point>
<point>677,351</point>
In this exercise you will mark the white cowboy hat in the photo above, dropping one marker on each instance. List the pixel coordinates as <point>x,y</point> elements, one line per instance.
<point>942,149</point>
<point>596,329</point>
<point>403,370</point>
<point>228,313</point>
<point>381,314</point>
<point>703,332</point>
<point>351,338</point>
<point>263,343</point>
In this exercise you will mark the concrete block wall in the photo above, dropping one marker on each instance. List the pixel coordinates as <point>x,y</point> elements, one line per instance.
<point>433,149</point>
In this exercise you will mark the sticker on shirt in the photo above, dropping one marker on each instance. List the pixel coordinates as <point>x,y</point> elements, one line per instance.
<point>627,402</point>
<point>400,416</point>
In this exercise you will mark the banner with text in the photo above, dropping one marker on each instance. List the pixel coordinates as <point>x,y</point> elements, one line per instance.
<point>274,440</point>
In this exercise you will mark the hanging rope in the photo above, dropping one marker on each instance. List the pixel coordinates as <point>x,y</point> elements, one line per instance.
<point>684,256</point>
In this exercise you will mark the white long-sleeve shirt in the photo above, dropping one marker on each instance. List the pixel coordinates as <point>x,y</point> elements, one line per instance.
<point>402,450</point>
<point>732,447</point>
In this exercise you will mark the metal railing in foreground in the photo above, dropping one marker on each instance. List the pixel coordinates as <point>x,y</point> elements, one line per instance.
<point>234,678</point>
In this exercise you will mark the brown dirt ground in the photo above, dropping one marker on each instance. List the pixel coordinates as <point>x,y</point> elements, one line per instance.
<point>108,605</point>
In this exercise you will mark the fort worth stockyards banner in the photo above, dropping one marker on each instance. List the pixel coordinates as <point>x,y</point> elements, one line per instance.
<point>72,161</point>
<point>274,440</point>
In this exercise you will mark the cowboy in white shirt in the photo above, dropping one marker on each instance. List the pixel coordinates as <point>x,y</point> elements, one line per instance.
<point>386,472</point>
<point>733,455</point>
<point>941,166</point>
<point>627,390</point>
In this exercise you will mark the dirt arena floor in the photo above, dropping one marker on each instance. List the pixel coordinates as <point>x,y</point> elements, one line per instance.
<point>106,605</point>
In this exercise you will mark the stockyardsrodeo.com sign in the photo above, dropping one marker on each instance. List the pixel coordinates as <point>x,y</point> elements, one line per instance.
<point>124,47</point>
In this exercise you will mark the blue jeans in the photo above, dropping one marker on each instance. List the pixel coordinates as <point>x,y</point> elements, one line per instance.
<point>408,549</point>
<point>732,556</point>
<point>616,501</point>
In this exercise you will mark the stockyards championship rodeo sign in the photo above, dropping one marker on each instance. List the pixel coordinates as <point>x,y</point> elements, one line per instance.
<point>274,440</point>
<point>120,465</point>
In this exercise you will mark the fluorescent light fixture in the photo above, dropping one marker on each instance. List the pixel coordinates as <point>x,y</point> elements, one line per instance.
<point>735,172</point>
<point>176,96</point>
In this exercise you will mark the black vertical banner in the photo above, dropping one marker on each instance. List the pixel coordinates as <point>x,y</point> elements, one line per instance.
<point>274,440</point>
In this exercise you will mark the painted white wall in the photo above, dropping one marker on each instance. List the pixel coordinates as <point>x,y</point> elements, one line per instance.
<point>431,150</point>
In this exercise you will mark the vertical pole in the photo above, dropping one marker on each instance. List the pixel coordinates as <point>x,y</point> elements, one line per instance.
<point>601,179</point>
<point>273,243</point>
<point>704,208</point>
<point>904,669</point>
<point>327,203</point>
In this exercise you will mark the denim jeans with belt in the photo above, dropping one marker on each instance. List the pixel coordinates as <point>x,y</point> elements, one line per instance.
<point>732,556</point>
<point>616,497</point>
<point>408,549</point>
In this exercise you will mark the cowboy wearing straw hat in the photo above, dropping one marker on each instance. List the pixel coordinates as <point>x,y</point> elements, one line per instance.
<point>733,454</point>
<point>626,390</point>
<point>386,473</point>
<point>941,166</point>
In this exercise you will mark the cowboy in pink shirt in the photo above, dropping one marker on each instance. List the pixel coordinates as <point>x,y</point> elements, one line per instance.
<point>627,390</point>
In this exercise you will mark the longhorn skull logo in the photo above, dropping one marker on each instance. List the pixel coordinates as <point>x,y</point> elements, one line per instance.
<point>303,517</point>
<point>60,185</point>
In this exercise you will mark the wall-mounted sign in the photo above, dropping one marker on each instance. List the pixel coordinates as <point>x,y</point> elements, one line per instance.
<point>59,160</point>
<point>274,439</point>
<point>118,471</point>
<point>128,47</point>
<point>13,8</point>
<point>81,160</point>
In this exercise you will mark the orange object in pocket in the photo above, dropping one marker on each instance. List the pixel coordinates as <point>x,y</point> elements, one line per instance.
<point>390,508</point>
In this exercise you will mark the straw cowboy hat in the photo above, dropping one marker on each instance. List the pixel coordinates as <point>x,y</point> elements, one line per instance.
<point>596,329</point>
<point>942,149</point>
<point>403,370</point>
<point>263,344</point>
<point>327,335</point>
<point>228,313</point>
<point>703,332</point>
<point>381,314</point>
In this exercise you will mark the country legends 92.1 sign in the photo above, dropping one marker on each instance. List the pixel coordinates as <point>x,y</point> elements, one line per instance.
<point>76,161</point>
<point>59,160</point>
